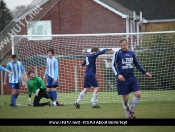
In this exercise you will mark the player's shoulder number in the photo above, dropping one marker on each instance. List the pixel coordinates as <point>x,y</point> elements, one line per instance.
<point>87,61</point>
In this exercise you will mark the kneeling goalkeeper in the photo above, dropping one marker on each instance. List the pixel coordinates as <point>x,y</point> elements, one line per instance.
<point>37,86</point>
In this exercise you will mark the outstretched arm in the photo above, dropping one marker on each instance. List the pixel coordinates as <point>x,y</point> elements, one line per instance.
<point>138,65</point>
<point>24,71</point>
<point>6,74</point>
<point>140,68</point>
<point>101,52</point>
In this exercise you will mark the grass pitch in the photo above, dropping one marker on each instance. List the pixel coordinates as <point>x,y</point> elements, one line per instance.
<point>145,109</point>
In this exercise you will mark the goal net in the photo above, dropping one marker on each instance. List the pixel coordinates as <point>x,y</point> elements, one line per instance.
<point>154,50</point>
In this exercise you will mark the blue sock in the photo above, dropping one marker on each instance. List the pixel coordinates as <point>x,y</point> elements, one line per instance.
<point>16,96</point>
<point>14,100</point>
<point>54,95</point>
<point>11,100</point>
<point>50,93</point>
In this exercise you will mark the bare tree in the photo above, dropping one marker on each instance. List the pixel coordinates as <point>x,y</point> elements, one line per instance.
<point>17,10</point>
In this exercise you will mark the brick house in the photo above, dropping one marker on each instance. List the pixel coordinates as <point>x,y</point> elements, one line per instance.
<point>101,16</point>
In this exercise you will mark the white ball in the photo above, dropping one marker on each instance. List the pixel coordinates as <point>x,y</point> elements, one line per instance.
<point>95,100</point>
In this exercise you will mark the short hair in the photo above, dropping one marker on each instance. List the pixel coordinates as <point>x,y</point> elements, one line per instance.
<point>95,49</point>
<point>14,56</point>
<point>50,50</point>
<point>30,72</point>
<point>122,39</point>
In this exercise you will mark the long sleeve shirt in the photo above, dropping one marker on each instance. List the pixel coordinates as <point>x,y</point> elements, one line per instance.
<point>34,84</point>
<point>122,63</point>
<point>90,62</point>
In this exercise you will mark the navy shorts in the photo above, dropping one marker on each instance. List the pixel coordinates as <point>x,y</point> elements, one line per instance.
<point>50,82</point>
<point>129,85</point>
<point>90,81</point>
<point>15,85</point>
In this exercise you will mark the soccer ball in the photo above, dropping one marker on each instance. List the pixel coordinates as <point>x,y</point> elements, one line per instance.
<point>95,101</point>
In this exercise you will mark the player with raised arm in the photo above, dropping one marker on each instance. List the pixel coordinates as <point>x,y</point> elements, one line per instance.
<point>36,85</point>
<point>17,68</point>
<point>90,80</point>
<point>5,70</point>
<point>122,65</point>
<point>52,77</point>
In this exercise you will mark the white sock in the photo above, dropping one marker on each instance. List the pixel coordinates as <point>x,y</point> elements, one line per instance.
<point>54,102</point>
<point>82,94</point>
<point>135,101</point>
<point>94,98</point>
<point>125,108</point>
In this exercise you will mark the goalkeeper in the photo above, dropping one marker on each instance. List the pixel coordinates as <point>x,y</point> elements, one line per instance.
<point>36,85</point>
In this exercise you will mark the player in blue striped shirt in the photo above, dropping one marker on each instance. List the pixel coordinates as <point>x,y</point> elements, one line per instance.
<point>17,68</point>
<point>90,80</point>
<point>5,70</point>
<point>122,65</point>
<point>52,77</point>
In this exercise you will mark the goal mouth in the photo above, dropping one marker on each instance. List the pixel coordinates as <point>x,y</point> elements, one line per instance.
<point>154,51</point>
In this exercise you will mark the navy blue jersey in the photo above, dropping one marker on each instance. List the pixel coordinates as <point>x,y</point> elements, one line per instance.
<point>122,63</point>
<point>90,62</point>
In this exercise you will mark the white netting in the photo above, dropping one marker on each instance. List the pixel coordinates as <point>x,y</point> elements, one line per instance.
<point>155,51</point>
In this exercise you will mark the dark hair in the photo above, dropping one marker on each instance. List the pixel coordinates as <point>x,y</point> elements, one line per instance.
<point>14,56</point>
<point>30,72</point>
<point>50,50</point>
<point>122,39</point>
<point>95,49</point>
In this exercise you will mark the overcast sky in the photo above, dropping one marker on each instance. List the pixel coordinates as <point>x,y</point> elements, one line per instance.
<point>11,4</point>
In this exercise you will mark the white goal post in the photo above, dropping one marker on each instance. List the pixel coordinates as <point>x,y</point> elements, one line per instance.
<point>154,50</point>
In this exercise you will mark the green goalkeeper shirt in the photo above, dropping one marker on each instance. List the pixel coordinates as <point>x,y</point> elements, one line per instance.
<point>34,84</point>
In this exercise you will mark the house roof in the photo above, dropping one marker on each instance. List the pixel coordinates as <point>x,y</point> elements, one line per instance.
<point>117,7</point>
<point>152,9</point>
<point>112,6</point>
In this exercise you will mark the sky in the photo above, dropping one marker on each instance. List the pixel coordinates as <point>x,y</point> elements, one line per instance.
<point>11,4</point>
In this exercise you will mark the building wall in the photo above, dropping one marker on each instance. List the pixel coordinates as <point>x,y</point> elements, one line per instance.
<point>79,17</point>
<point>85,16</point>
<point>76,17</point>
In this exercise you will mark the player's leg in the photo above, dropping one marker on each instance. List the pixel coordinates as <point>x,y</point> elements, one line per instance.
<point>13,94</point>
<point>82,94</point>
<point>94,98</point>
<point>137,94</point>
<point>80,97</point>
<point>49,85</point>
<point>17,89</point>
<point>125,104</point>
<point>135,99</point>
<point>36,102</point>
<point>46,95</point>
<point>93,82</point>
<point>54,91</point>
<point>123,89</point>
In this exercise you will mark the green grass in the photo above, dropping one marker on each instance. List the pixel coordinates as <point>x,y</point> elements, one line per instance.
<point>103,97</point>
<point>145,109</point>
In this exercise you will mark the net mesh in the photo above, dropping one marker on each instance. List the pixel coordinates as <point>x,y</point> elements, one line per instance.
<point>155,52</point>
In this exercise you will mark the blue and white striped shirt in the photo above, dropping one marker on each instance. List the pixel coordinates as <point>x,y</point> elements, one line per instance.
<point>17,68</point>
<point>52,67</point>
